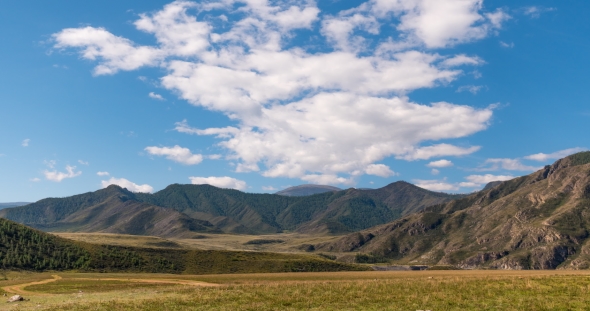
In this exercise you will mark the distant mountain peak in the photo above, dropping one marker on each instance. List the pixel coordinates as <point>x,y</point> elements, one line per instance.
<point>307,189</point>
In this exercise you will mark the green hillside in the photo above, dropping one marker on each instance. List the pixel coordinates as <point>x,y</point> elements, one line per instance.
<point>182,210</point>
<point>24,248</point>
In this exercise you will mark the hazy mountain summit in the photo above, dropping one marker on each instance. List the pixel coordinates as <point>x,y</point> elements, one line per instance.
<point>13,204</point>
<point>303,190</point>
<point>539,221</point>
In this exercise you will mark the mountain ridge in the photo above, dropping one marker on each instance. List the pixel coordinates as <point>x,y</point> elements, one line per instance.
<point>538,221</point>
<point>197,208</point>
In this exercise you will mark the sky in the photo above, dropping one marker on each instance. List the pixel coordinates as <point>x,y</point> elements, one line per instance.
<point>260,95</point>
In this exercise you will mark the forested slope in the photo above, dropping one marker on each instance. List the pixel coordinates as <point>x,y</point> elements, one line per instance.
<point>24,248</point>
<point>181,210</point>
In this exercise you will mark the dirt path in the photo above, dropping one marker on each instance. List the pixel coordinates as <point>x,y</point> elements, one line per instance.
<point>161,281</point>
<point>20,288</point>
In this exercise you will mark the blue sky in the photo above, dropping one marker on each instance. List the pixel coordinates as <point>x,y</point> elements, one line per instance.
<point>261,95</point>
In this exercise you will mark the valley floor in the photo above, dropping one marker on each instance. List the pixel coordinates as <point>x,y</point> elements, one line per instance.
<point>399,290</point>
<point>276,243</point>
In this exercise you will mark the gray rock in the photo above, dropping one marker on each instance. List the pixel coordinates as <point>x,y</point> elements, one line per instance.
<point>16,298</point>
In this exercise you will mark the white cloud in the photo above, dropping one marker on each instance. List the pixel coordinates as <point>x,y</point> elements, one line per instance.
<point>543,157</point>
<point>50,163</point>
<point>327,179</point>
<point>380,170</point>
<point>436,185</point>
<point>440,163</point>
<point>472,181</point>
<point>479,180</point>
<point>124,183</point>
<point>319,116</point>
<point>156,96</point>
<point>536,11</point>
<point>176,154</point>
<point>507,45</point>
<point>26,142</point>
<point>434,171</point>
<point>36,179</point>
<point>461,60</point>
<point>220,182</point>
<point>507,164</point>
<point>83,162</point>
<point>269,188</point>
<point>473,89</point>
<point>102,173</point>
<point>59,176</point>
<point>114,53</point>
<point>442,23</point>
<point>425,153</point>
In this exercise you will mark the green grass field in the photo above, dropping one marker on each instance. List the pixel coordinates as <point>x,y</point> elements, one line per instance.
<point>400,290</point>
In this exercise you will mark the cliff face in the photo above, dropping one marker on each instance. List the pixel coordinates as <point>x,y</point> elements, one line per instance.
<point>539,221</point>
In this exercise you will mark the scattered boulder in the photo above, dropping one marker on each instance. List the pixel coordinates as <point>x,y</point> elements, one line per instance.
<point>16,298</point>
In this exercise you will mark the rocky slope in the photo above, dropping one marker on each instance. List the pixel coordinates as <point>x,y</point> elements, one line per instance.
<point>539,221</point>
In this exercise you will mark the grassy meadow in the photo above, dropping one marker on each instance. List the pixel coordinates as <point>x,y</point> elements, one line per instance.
<point>399,290</point>
<point>290,242</point>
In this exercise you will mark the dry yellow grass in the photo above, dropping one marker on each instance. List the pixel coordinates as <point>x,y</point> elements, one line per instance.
<point>231,242</point>
<point>400,290</point>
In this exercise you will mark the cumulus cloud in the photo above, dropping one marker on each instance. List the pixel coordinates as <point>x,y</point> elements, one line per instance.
<point>25,142</point>
<point>269,188</point>
<point>543,157</point>
<point>124,183</point>
<point>220,182</point>
<point>327,179</point>
<point>425,153</point>
<point>380,170</point>
<point>436,185</point>
<point>479,180</point>
<point>472,181</point>
<point>83,162</point>
<point>102,173</point>
<point>324,116</point>
<point>440,163</point>
<point>507,164</point>
<point>59,176</point>
<point>155,96</point>
<point>176,154</point>
<point>114,53</point>
<point>434,171</point>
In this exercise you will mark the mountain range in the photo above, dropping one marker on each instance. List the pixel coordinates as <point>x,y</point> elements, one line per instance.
<point>183,210</point>
<point>539,221</point>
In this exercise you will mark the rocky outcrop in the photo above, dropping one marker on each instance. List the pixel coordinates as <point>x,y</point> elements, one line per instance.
<point>539,221</point>
<point>16,298</point>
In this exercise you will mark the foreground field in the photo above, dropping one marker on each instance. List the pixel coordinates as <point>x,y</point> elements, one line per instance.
<point>407,290</point>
